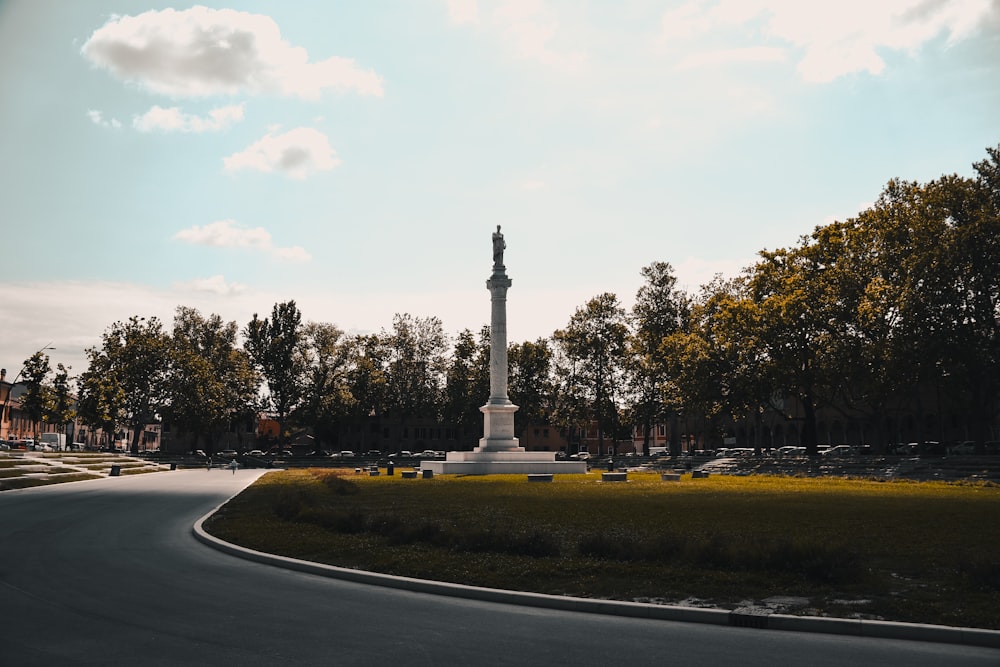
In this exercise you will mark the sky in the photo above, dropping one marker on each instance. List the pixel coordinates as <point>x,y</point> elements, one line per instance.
<point>357,156</point>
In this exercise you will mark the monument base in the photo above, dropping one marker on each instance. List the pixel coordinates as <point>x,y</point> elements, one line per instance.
<point>503,463</point>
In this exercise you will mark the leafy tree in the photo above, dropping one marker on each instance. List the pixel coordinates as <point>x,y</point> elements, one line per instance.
<point>796,325</point>
<point>717,371</point>
<point>415,368</point>
<point>467,379</point>
<point>134,358</point>
<point>61,410</point>
<point>594,347</point>
<point>212,383</point>
<point>37,397</point>
<point>366,376</point>
<point>660,310</point>
<point>327,396</point>
<point>950,304</point>
<point>530,380</point>
<point>101,402</point>
<point>275,346</point>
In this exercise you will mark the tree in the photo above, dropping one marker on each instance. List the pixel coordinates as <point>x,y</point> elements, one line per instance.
<point>593,346</point>
<point>467,379</point>
<point>415,366</point>
<point>716,368</point>
<point>660,310</point>
<point>275,347</point>
<point>37,397</point>
<point>366,377</point>
<point>530,380</point>
<point>212,383</point>
<point>136,358</point>
<point>327,396</point>
<point>61,410</point>
<point>101,402</point>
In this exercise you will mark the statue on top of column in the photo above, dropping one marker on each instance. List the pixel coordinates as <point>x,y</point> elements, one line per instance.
<point>498,247</point>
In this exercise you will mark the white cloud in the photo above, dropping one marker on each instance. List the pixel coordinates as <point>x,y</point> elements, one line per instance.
<point>200,51</point>
<point>97,118</point>
<point>532,185</point>
<point>174,120</point>
<point>529,28</point>
<point>463,11</point>
<point>297,153</point>
<point>212,285</point>
<point>228,234</point>
<point>753,54</point>
<point>832,39</point>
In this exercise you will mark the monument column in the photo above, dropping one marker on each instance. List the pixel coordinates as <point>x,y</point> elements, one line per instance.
<point>498,413</point>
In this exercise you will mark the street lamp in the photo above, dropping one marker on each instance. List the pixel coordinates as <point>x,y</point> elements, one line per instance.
<point>5,415</point>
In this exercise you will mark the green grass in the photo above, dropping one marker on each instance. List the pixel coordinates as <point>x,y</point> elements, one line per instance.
<point>917,552</point>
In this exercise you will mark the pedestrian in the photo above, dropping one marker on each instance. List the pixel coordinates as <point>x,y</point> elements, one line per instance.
<point>233,465</point>
<point>208,466</point>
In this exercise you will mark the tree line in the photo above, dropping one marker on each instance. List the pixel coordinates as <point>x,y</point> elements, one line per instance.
<point>859,316</point>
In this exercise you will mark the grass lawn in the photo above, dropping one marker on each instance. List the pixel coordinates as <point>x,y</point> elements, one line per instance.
<point>904,551</point>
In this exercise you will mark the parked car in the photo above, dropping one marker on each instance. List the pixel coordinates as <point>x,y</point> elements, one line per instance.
<point>342,455</point>
<point>580,456</point>
<point>405,454</point>
<point>838,451</point>
<point>373,453</point>
<point>228,453</point>
<point>967,447</point>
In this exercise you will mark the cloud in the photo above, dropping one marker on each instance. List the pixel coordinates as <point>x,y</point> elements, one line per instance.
<point>200,52</point>
<point>97,118</point>
<point>228,234</point>
<point>297,152</point>
<point>533,185</point>
<point>463,11</point>
<point>530,28</point>
<point>831,39</point>
<point>753,54</point>
<point>212,285</point>
<point>174,120</point>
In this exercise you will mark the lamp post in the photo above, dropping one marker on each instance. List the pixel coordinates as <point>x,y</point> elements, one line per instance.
<point>5,414</point>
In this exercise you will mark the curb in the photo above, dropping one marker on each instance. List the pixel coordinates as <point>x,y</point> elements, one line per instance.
<point>837,626</point>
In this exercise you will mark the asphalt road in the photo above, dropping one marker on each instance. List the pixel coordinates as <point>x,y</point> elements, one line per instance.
<point>107,572</point>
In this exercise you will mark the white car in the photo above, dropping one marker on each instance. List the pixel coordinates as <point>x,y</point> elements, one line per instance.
<point>580,456</point>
